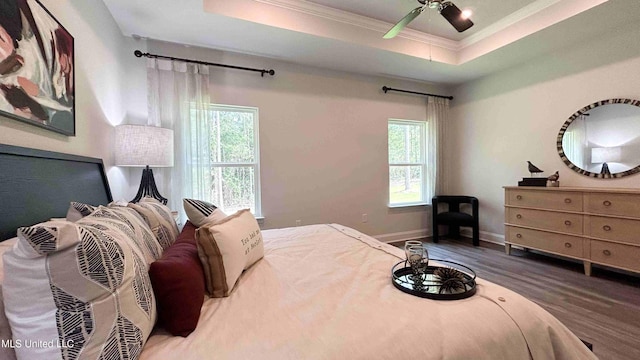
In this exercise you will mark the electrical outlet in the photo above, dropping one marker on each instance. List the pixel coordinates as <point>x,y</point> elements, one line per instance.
<point>298,222</point>
<point>365,218</point>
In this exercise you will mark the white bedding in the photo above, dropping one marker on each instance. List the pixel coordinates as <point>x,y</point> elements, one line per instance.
<point>324,292</point>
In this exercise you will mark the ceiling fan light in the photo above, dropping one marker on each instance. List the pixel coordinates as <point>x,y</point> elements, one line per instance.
<point>466,13</point>
<point>454,16</point>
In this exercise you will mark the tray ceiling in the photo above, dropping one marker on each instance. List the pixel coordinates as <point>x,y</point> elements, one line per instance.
<point>347,35</point>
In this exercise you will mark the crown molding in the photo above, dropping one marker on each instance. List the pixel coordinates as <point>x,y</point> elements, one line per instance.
<point>346,17</point>
<point>511,19</point>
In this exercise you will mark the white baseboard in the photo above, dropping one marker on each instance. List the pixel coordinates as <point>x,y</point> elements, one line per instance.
<point>484,236</point>
<point>423,233</point>
<point>403,236</point>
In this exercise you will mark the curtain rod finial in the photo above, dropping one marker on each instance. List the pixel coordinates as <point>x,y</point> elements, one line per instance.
<point>385,89</point>
<point>137,53</point>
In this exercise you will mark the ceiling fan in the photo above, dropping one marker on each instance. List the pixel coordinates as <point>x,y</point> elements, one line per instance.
<point>446,8</point>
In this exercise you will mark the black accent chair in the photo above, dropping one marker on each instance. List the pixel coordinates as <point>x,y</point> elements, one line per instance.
<point>454,218</point>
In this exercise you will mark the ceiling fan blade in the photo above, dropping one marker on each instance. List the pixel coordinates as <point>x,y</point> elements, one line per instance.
<point>454,16</point>
<point>395,30</point>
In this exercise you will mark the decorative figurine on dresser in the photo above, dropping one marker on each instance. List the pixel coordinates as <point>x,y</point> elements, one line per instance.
<point>536,178</point>
<point>554,180</point>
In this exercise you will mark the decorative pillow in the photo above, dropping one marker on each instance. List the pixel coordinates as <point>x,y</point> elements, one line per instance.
<point>82,287</point>
<point>201,212</point>
<point>139,232</point>
<point>228,247</point>
<point>159,219</point>
<point>178,284</point>
<point>149,245</point>
<point>7,352</point>
<point>79,210</point>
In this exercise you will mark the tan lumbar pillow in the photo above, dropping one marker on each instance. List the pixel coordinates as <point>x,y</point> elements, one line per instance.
<point>228,247</point>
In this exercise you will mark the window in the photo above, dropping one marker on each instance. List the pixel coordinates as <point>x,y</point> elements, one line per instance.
<point>407,162</point>
<point>235,158</point>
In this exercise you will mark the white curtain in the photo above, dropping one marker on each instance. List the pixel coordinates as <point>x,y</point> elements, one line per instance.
<point>179,100</point>
<point>437,117</point>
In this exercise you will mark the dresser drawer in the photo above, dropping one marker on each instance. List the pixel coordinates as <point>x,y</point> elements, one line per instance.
<point>615,229</point>
<point>616,255</point>
<point>550,199</point>
<point>613,204</point>
<point>541,240</point>
<point>546,220</point>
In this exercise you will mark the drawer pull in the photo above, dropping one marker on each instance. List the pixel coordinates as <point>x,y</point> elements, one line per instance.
<point>606,228</point>
<point>567,222</point>
<point>519,197</point>
<point>567,245</point>
<point>606,203</point>
<point>606,252</point>
<point>518,216</point>
<point>567,201</point>
<point>519,236</point>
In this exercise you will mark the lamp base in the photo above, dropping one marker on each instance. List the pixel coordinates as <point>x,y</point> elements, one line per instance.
<point>148,187</point>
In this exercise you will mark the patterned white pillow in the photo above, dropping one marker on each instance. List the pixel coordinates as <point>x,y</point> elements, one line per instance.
<point>227,248</point>
<point>137,228</point>
<point>88,289</point>
<point>78,210</point>
<point>159,219</point>
<point>149,246</point>
<point>201,212</point>
<point>6,352</point>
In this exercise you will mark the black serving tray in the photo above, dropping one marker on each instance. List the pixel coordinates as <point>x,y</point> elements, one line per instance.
<point>430,287</point>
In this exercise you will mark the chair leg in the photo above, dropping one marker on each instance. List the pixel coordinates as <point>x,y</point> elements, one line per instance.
<point>476,235</point>
<point>435,233</point>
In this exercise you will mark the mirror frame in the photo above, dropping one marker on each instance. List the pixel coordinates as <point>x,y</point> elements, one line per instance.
<point>575,115</point>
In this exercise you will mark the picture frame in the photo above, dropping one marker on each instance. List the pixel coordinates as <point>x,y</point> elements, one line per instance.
<point>37,67</point>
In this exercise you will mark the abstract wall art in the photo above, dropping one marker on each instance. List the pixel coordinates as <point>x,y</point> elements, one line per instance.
<point>36,67</point>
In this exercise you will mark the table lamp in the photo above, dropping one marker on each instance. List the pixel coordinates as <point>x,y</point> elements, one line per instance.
<point>604,155</point>
<point>144,146</point>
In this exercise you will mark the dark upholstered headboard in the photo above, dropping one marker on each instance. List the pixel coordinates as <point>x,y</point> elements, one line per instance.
<point>37,185</point>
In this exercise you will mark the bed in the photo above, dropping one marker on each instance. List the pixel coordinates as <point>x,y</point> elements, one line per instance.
<point>320,292</point>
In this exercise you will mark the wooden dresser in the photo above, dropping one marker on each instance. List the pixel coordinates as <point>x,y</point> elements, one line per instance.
<point>594,225</point>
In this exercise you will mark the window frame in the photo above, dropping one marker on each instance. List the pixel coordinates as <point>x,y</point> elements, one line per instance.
<point>256,150</point>
<point>422,164</point>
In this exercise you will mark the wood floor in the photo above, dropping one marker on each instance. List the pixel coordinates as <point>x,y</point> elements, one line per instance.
<point>603,309</point>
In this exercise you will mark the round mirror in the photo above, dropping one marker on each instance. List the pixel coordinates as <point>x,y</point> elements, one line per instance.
<point>602,140</point>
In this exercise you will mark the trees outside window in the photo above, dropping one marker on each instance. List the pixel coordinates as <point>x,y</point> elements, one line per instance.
<point>407,162</point>
<point>234,151</point>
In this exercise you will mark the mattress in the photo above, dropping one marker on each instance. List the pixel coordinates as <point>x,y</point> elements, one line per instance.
<point>325,292</point>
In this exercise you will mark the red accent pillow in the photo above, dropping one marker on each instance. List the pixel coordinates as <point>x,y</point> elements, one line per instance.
<point>178,283</point>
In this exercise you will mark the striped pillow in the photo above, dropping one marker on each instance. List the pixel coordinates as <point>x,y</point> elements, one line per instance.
<point>201,212</point>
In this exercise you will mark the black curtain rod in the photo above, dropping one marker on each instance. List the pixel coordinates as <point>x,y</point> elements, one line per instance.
<point>139,53</point>
<point>385,89</point>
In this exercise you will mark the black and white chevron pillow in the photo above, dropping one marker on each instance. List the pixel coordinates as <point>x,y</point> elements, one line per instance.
<point>201,212</point>
<point>82,286</point>
<point>79,210</point>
